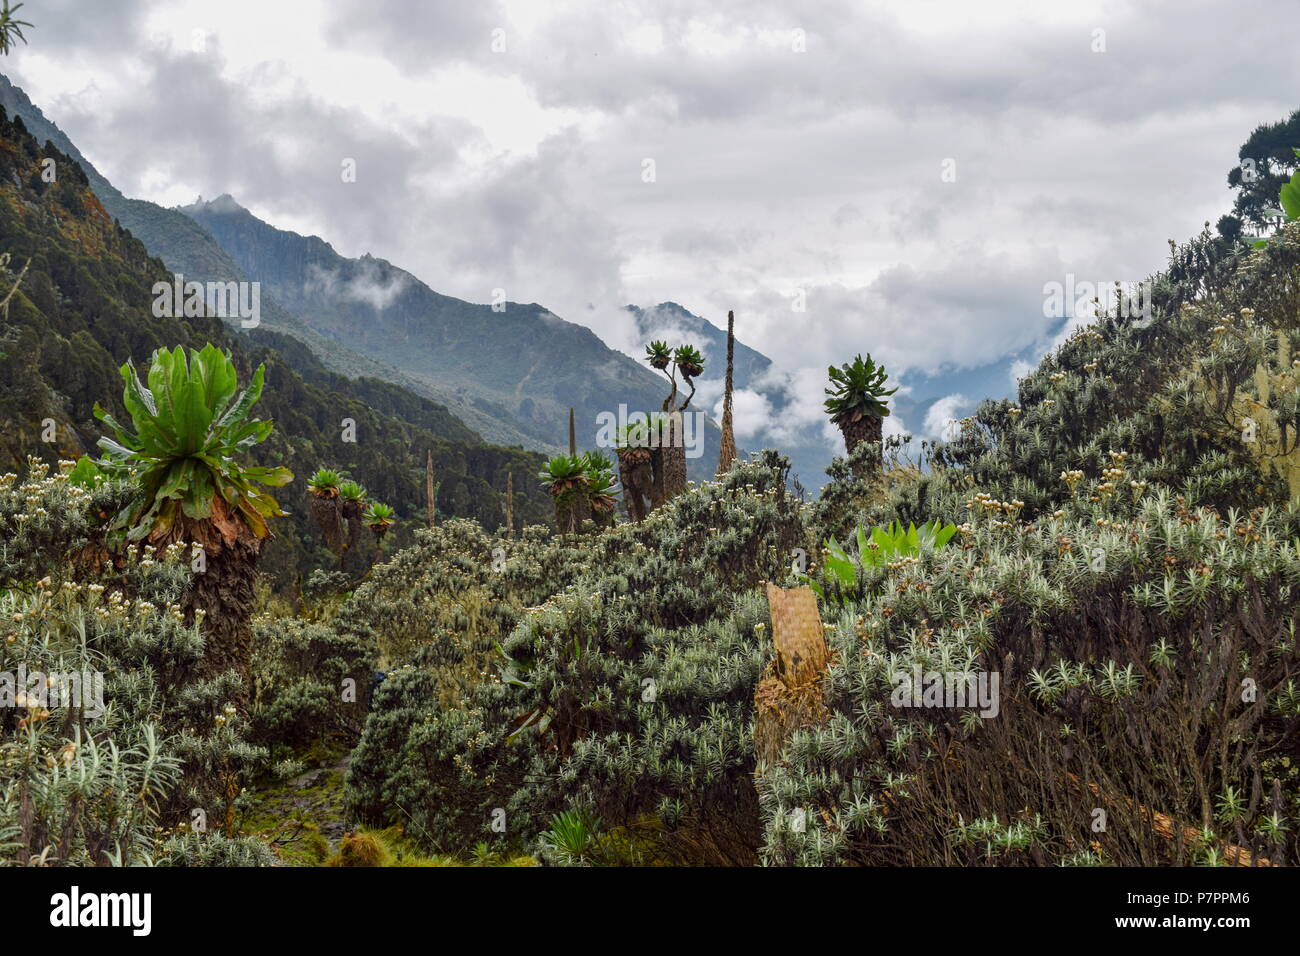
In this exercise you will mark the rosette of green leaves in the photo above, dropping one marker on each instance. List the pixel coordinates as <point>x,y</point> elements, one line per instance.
<point>189,426</point>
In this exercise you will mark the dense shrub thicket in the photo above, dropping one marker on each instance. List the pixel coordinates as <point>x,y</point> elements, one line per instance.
<point>78,786</point>
<point>626,693</point>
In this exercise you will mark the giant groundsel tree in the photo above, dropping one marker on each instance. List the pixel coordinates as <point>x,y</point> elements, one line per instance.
<point>190,427</point>
<point>856,400</point>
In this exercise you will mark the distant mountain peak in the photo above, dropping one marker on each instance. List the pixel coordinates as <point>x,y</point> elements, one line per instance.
<point>223,205</point>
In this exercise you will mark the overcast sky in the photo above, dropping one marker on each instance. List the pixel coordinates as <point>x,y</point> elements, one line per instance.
<point>795,146</point>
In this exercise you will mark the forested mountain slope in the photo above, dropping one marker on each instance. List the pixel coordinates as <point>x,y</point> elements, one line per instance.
<point>85,306</point>
<point>510,376</point>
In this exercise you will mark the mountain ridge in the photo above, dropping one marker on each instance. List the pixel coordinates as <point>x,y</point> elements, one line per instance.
<point>514,361</point>
<point>221,240</point>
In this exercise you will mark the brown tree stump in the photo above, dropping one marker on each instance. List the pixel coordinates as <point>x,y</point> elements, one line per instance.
<point>792,694</point>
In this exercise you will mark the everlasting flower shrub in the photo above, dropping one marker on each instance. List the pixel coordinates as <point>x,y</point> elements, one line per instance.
<point>310,681</point>
<point>627,695</point>
<point>118,787</point>
<point>1154,687</point>
<point>433,617</point>
<point>1127,565</point>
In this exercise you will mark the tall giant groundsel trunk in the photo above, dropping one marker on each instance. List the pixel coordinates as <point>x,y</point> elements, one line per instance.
<point>428,488</point>
<point>351,509</point>
<point>875,428</point>
<point>510,505</point>
<point>854,434</point>
<point>636,475</point>
<point>568,514</point>
<point>674,456</point>
<point>224,592</point>
<point>658,495</point>
<point>581,509</point>
<point>869,428</point>
<point>324,510</point>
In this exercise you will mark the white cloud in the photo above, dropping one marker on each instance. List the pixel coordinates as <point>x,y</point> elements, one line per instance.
<point>753,415</point>
<point>776,170</point>
<point>942,414</point>
<point>1019,369</point>
<point>366,286</point>
<point>894,427</point>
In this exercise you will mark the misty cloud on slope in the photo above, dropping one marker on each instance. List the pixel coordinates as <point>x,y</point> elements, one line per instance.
<point>369,286</point>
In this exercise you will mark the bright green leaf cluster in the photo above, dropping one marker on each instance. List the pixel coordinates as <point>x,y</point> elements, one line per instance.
<point>857,391</point>
<point>883,546</point>
<point>188,428</point>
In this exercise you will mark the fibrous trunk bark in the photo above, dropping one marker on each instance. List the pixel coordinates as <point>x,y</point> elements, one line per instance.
<point>636,474</point>
<point>568,511</point>
<point>674,457</point>
<point>869,428</point>
<point>351,511</point>
<point>510,505</point>
<point>657,493</point>
<point>428,487</point>
<point>224,592</point>
<point>325,512</point>
<point>581,510</point>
